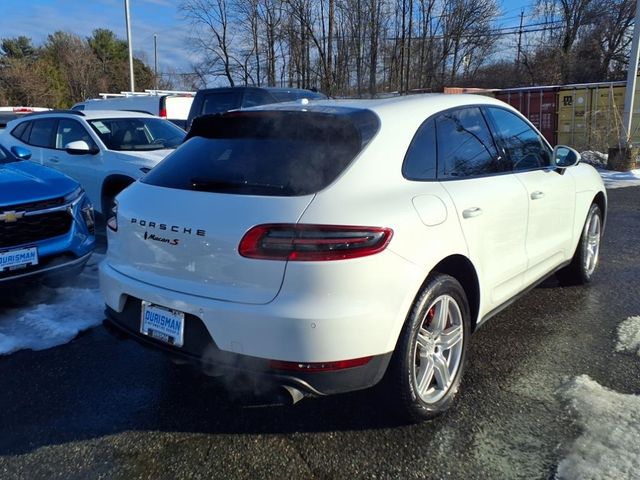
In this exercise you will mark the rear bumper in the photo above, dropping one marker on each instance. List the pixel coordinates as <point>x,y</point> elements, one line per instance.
<point>200,350</point>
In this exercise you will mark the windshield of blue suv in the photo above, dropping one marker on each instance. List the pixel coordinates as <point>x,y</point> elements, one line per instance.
<point>137,133</point>
<point>275,153</point>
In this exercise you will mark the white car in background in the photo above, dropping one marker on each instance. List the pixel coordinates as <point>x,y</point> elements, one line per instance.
<point>326,245</point>
<point>174,107</point>
<point>104,150</point>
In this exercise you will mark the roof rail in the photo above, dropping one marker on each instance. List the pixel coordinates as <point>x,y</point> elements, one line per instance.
<point>170,92</point>
<point>146,93</point>
<point>71,112</point>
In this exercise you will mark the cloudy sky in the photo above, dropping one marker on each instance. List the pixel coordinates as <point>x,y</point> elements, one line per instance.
<point>39,18</point>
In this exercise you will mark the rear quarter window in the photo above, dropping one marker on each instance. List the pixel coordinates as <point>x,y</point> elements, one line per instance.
<point>22,131</point>
<point>283,153</point>
<point>420,160</point>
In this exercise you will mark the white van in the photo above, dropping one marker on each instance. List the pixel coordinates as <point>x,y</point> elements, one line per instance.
<point>173,107</point>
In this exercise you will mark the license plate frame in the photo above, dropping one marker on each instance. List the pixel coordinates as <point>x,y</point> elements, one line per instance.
<point>22,257</point>
<point>162,323</point>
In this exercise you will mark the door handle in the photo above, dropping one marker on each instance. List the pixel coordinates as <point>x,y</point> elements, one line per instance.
<point>537,195</point>
<point>471,212</point>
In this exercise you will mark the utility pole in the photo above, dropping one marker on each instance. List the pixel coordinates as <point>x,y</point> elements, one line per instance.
<point>401,72</point>
<point>155,60</point>
<point>128,22</point>
<point>520,36</point>
<point>408,55</point>
<point>632,74</point>
<point>623,158</point>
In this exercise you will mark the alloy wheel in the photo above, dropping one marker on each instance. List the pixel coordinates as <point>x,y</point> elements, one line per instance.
<point>592,243</point>
<point>438,349</point>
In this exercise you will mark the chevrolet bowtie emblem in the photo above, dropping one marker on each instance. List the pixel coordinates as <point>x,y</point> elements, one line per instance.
<point>10,217</point>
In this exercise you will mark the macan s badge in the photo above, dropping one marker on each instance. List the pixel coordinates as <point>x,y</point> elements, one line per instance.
<point>156,238</point>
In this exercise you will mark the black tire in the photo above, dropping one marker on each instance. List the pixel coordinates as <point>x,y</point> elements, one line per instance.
<point>585,260</point>
<point>411,358</point>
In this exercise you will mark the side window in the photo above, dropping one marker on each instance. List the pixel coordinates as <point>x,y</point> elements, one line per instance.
<point>22,131</point>
<point>523,145</point>
<point>42,133</point>
<point>420,161</point>
<point>465,145</point>
<point>253,98</point>
<point>71,131</point>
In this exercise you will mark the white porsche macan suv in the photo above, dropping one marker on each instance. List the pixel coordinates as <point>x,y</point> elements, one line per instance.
<point>327,245</point>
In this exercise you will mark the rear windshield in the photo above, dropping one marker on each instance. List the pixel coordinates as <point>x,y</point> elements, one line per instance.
<point>282,153</point>
<point>137,133</point>
<point>289,96</point>
<point>220,102</point>
<point>6,118</point>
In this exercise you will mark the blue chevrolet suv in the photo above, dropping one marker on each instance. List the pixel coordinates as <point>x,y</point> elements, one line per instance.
<point>46,221</point>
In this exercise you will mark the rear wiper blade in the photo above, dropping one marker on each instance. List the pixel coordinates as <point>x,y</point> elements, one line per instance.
<point>204,184</point>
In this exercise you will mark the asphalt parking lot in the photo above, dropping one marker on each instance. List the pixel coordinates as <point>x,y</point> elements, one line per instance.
<point>99,407</point>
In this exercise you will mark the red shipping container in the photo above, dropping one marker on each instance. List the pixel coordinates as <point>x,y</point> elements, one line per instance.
<point>538,104</point>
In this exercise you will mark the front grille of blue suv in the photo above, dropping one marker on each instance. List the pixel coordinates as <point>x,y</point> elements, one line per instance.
<point>46,222</point>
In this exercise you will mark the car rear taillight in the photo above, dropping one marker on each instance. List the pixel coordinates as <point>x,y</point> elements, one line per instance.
<point>319,366</point>
<point>112,222</point>
<point>163,113</point>
<point>301,242</point>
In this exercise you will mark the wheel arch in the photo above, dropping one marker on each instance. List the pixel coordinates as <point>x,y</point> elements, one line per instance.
<point>601,200</point>
<point>112,185</point>
<point>460,267</point>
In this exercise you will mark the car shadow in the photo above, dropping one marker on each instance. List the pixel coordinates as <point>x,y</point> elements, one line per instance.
<point>98,385</point>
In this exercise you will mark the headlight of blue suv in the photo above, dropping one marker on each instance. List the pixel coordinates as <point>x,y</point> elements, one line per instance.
<point>73,196</point>
<point>85,210</point>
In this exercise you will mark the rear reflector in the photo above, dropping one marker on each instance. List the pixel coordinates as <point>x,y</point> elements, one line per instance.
<point>301,242</point>
<point>319,366</point>
<point>163,113</point>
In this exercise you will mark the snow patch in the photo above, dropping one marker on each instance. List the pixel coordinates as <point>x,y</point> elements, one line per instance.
<point>592,157</point>
<point>41,317</point>
<point>609,446</point>
<point>613,179</point>
<point>629,336</point>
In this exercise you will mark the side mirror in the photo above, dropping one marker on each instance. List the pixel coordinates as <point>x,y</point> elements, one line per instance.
<point>79,147</point>
<point>564,156</point>
<point>21,153</point>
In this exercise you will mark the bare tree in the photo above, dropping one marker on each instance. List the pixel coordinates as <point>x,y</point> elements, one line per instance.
<point>213,35</point>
